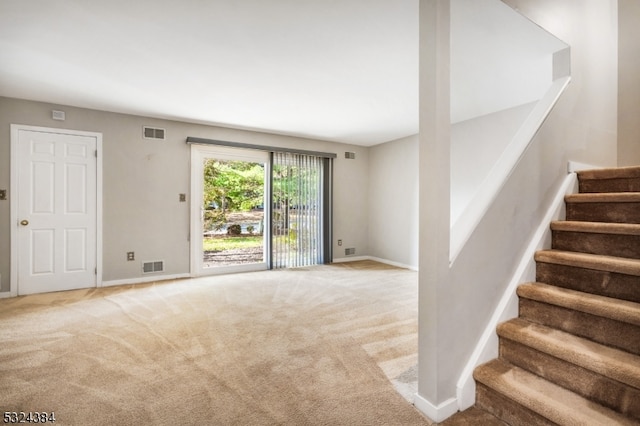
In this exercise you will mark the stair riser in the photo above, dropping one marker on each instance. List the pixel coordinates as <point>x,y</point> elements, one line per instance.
<point>604,212</point>
<point>506,409</point>
<point>605,244</point>
<point>609,185</point>
<point>603,390</point>
<point>599,329</point>
<point>610,284</point>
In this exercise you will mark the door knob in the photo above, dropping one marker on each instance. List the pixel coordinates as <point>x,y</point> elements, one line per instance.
<point>24,222</point>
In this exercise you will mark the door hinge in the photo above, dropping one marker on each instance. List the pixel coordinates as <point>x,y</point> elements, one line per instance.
<point>96,153</point>
<point>95,271</point>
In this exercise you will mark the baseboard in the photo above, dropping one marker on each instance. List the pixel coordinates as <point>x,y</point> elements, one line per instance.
<point>143,280</point>
<point>350,259</point>
<point>574,166</point>
<point>393,263</point>
<point>507,308</point>
<point>436,413</point>
<point>375,259</point>
<point>7,294</point>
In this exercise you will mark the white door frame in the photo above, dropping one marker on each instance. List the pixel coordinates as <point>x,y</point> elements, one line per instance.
<point>198,154</point>
<point>15,128</point>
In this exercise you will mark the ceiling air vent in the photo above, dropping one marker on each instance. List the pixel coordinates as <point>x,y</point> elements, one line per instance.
<point>350,155</point>
<point>153,267</point>
<point>152,133</point>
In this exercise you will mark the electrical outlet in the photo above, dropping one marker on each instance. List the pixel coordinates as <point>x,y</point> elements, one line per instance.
<point>131,256</point>
<point>339,242</point>
<point>182,198</point>
<point>3,194</point>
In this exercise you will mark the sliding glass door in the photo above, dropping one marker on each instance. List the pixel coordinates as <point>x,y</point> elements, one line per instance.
<point>253,209</point>
<point>233,212</point>
<point>230,234</point>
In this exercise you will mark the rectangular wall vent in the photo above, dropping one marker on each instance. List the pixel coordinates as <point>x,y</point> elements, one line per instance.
<point>349,251</point>
<point>350,155</point>
<point>58,115</point>
<point>153,267</point>
<point>152,133</point>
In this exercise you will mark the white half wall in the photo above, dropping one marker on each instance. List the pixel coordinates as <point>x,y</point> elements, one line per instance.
<point>476,146</point>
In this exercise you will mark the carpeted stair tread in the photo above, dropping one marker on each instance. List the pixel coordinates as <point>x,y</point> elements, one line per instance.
<point>623,179</point>
<point>553,402</point>
<point>604,197</point>
<point>610,173</point>
<point>616,309</point>
<point>596,227</point>
<point>613,363</point>
<point>619,265</point>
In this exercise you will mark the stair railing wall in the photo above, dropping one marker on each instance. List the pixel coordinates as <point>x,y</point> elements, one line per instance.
<point>465,221</point>
<point>507,308</point>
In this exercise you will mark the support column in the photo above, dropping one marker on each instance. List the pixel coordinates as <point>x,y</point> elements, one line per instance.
<point>434,193</point>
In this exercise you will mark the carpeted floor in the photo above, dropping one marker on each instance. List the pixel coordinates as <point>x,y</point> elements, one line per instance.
<point>317,345</point>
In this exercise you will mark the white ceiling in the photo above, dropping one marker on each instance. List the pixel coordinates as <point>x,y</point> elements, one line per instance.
<point>340,70</point>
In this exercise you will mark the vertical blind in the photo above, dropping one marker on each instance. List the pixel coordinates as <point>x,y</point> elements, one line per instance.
<point>297,215</point>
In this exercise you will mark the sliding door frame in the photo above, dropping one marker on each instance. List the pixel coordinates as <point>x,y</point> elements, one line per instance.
<point>202,148</point>
<point>198,155</point>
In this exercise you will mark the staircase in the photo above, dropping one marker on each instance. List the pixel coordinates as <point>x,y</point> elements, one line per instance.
<point>572,357</point>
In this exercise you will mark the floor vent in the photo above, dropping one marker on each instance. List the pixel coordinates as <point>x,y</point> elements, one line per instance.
<point>349,251</point>
<point>152,133</point>
<point>152,267</point>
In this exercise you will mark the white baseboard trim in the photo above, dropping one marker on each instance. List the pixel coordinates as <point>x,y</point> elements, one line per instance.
<point>393,263</point>
<point>436,413</point>
<point>507,308</point>
<point>375,259</point>
<point>7,294</point>
<point>143,280</point>
<point>574,166</point>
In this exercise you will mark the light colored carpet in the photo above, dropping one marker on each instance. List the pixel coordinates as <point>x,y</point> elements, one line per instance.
<point>308,346</point>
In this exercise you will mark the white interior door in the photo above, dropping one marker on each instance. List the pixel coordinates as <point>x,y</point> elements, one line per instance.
<point>56,211</point>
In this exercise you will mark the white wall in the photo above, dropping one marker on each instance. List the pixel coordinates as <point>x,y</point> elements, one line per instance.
<point>499,59</point>
<point>393,201</point>
<point>476,146</point>
<point>142,180</point>
<point>582,127</point>
<point>629,83</point>
<point>351,201</point>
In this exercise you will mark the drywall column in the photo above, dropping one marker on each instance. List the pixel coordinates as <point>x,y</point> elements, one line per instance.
<point>434,190</point>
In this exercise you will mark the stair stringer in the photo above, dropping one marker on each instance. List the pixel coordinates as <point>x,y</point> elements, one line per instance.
<point>507,308</point>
